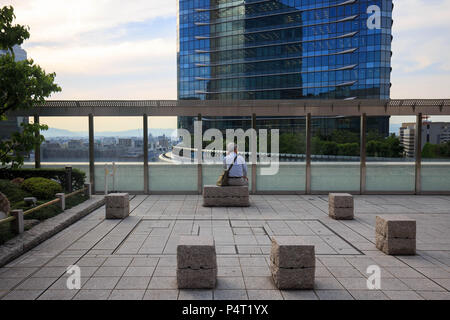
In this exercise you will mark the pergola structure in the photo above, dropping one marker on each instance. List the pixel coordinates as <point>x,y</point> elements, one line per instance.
<point>253,109</point>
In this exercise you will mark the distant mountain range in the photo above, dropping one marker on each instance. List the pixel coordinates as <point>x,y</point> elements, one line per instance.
<point>54,133</point>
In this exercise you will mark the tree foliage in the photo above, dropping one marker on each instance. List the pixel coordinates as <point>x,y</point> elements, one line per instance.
<point>23,84</point>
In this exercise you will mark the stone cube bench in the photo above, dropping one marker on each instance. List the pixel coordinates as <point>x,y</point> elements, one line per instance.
<point>292,264</point>
<point>229,196</point>
<point>196,263</point>
<point>117,206</point>
<point>395,235</point>
<point>341,206</point>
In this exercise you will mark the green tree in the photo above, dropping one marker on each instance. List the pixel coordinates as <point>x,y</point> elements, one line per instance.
<point>23,84</point>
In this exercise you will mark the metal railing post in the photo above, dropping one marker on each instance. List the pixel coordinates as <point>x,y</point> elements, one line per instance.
<point>198,144</point>
<point>145,146</point>
<point>308,153</point>
<point>37,149</point>
<point>418,153</point>
<point>91,153</point>
<point>254,158</point>
<point>362,153</point>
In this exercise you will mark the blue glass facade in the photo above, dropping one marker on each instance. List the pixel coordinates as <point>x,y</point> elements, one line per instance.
<point>283,49</point>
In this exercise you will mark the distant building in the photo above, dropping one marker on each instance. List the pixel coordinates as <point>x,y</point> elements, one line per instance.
<point>432,132</point>
<point>125,142</point>
<point>109,141</point>
<point>12,124</point>
<point>75,144</point>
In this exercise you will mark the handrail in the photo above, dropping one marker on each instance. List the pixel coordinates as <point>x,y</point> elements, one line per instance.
<point>44,205</point>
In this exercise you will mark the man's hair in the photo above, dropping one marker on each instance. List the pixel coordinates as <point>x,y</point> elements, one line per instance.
<point>231,147</point>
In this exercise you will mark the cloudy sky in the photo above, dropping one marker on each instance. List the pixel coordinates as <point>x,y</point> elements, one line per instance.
<point>114,49</point>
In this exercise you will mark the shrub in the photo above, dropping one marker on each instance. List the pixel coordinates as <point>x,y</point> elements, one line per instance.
<point>42,188</point>
<point>78,176</point>
<point>18,181</point>
<point>13,192</point>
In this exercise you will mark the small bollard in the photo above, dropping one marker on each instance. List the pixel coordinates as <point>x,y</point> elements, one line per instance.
<point>68,179</point>
<point>62,200</point>
<point>17,225</point>
<point>88,190</point>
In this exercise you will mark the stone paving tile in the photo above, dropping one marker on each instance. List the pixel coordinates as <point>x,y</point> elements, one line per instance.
<point>110,272</point>
<point>334,295</point>
<point>444,283</point>
<point>327,284</point>
<point>22,295</point>
<point>263,283</point>
<point>256,271</point>
<point>264,295</point>
<point>163,283</point>
<point>117,262</point>
<point>161,295</point>
<point>162,271</point>
<point>127,295</point>
<point>49,272</point>
<point>230,283</point>
<point>433,295</point>
<point>144,262</point>
<point>434,273</point>
<point>133,283</point>
<point>88,294</point>
<point>101,283</point>
<point>139,272</point>
<point>195,295</point>
<point>394,285</point>
<point>230,294</point>
<point>404,272</point>
<point>58,294</point>
<point>345,272</point>
<point>36,283</point>
<point>299,295</point>
<point>353,283</point>
<point>403,295</point>
<point>422,284</point>
<point>17,272</point>
<point>8,284</point>
<point>91,262</point>
<point>368,295</point>
<point>229,272</point>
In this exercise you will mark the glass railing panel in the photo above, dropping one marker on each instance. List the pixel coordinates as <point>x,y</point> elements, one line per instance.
<point>435,173</point>
<point>390,176</point>
<point>172,177</point>
<point>335,154</point>
<point>126,177</point>
<point>435,176</point>
<point>335,176</point>
<point>290,177</point>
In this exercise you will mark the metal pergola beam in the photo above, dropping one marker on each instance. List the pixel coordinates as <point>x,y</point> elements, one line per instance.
<point>357,107</point>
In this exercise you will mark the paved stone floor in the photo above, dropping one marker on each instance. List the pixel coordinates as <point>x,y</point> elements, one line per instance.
<point>135,258</point>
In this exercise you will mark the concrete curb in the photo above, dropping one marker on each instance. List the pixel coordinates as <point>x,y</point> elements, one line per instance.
<point>38,234</point>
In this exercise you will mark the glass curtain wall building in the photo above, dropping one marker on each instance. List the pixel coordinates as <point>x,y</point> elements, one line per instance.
<point>284,49</point>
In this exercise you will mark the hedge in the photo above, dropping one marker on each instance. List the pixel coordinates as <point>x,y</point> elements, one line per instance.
<point>78,176</point>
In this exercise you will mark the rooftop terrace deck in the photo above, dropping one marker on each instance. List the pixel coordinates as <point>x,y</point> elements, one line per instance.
<point>135,258</point>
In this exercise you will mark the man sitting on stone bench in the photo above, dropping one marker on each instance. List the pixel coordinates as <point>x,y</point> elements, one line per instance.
<point>237,175</point>
<point>235,193</point>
